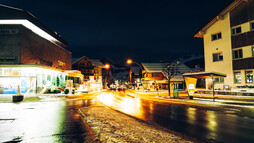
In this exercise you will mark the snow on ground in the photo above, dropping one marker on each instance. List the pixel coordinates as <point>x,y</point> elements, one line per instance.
<point>111,126</point>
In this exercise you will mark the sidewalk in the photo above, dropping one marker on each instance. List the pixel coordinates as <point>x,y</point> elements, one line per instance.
<point>199,99</point>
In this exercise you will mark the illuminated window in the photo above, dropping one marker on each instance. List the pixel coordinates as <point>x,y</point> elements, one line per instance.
<point>249,77</point>
<point>237,53</point>
<point>219,80</point>
<point>236,30</point>
<point>217,57</point>
<point>216,36</point>
<point>237,76</point>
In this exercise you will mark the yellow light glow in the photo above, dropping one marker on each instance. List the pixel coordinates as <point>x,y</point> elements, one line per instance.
<point>32,27</point>
<point>107,66</point>
<point>129,61</point>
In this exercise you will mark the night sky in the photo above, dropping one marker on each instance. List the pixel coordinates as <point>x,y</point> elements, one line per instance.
<point>144,30</point>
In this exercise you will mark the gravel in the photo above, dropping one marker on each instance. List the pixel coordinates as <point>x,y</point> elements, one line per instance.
<point>111,126</point>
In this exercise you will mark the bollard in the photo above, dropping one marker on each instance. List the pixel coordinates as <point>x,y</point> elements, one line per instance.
<point>17,98</point>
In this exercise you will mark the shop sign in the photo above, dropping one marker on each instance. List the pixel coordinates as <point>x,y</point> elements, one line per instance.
<point>62,64</point>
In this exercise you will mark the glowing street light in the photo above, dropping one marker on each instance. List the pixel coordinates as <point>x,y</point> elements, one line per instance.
<point>129,61</point>
<point>107,66</point>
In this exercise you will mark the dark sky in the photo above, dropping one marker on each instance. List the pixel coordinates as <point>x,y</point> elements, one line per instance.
<point>144,30</point>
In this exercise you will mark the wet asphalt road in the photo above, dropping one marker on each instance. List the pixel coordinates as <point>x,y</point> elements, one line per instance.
<point>55,120</point>
<point>43,121</point>
<point>216,124</point>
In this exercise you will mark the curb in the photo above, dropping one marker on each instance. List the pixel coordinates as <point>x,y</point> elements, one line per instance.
<point>84,119</point>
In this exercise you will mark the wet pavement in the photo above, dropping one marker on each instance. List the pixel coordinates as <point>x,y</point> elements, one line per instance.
<point>219,123</point>
<point>44,121</point>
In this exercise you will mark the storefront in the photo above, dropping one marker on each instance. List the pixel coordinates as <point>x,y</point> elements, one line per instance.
<point>29,79</point>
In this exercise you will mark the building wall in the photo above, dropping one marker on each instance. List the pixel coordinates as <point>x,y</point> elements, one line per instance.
<point>242,13</point>
<point>243,16</point>
<point>26,47</point>
<point>223,46</point>
<point>9,44</point>
<point>150,76</point>
<point>35,49</point>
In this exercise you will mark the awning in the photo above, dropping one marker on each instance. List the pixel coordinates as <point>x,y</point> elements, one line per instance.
<point>205,75</point>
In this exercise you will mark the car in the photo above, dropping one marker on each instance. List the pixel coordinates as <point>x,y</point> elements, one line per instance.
<point>51,90</point>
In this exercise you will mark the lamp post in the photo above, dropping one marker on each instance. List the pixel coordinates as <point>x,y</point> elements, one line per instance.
<point>106,66</point>
<point>129,62</point>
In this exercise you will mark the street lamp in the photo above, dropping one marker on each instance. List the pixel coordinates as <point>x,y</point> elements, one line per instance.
<point>106,66</point>
<point>129,62</point>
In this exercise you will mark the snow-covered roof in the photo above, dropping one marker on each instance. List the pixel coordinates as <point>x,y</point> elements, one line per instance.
<point>97,63</point>
<point>153,67</point>
<point>182,68</point>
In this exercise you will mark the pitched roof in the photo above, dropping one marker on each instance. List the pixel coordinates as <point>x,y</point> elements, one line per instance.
<point>97,63</point>
<point>181,68</point>
<point>220,16</point>
<point>11,15</point>
<point>153,67</point>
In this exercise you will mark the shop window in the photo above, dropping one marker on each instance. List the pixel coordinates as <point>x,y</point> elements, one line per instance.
<point>237,53</point>
<point>217,57</point>
<point>236,30</point>
<point>216,36</point>
<point>7,72</point>
<point>237,77</point>
<point>219,80</point>
<point>249,77</point>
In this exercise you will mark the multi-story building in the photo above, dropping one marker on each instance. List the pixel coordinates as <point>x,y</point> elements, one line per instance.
<point>229,45</point>
<point>32,56</point>
<point>92,71</point>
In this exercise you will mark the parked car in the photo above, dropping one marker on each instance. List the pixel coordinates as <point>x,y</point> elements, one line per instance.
<point>51,90</point>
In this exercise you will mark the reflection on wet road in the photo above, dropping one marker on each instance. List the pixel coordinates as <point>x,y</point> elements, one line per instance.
<point>220,125</point>
<point>55,121</point>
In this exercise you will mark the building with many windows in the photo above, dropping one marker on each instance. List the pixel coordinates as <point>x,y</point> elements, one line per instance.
<point>32,56</point>
<point>229,45</point>
<point>92,70</point>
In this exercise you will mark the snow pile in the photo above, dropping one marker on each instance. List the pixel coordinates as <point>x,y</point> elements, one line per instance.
<point>111,126</point>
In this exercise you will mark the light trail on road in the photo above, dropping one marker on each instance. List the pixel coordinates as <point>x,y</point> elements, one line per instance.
<point>217,123</point>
